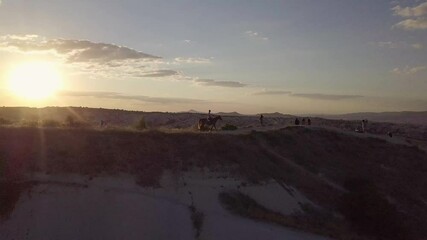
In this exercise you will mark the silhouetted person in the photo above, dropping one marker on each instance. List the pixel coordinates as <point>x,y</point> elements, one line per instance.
<point>209,116</point>
<point>296,121</point>
<point>309,121</point>
<point>303,121</point>
<point>363,125</point>
<point>390,134</point>
<point>261,120</point>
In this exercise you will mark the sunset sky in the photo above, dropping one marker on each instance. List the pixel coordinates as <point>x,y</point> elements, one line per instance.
<point>289,56</point>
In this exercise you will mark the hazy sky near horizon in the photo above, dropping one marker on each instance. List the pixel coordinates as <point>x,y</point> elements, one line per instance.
<point>290,56</point>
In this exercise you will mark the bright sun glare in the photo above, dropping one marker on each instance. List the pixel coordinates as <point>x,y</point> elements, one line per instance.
<point>35,80</point>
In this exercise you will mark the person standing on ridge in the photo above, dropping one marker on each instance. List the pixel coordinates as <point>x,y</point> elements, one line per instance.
<point>261,120</point>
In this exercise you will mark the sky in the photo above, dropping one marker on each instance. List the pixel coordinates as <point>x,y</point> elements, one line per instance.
<point>248,56</point>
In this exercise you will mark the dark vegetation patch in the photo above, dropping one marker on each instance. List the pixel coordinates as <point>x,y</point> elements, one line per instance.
<point>141,124</point>
<point>4,121</point>
<point>9,195</point>
<point>228,127</point>
<point>314,221</point>
<point>50,123</point>
<point>197,218</point>
<point>371,213</point>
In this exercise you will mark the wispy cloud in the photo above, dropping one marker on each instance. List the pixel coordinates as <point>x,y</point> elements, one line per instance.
<point>399,45</point>
<point>141,98</point>
<point>160,73</point>
<point>272,92</point>
<point>321,96</point>
<point>256,35</point>
<point>74,50</point>
<point>416,11</point>
<point>317,96</point>
<point>193,60</point>
<point>417,45</point>
<point>215,83</point>
<point>412,24</point>
<point>409,70</point>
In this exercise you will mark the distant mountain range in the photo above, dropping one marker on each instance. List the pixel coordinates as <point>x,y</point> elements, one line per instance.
<point>393,117</point>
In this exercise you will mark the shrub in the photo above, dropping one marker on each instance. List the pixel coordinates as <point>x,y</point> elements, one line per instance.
<point>370,212</point>
<point>5,121</point>
<point>69,121</point>
<point>229,127</point>
<point>2,167</point>
<point>50,123</point>
<point>141,125</point>
<point>31,123</point>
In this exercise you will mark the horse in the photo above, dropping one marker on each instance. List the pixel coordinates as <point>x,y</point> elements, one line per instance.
<point>205,122</point>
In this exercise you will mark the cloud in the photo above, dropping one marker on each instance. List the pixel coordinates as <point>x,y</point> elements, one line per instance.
<point>74,50</point>
<point>412,24</point>
<point>215,83</point>
<point>387,44</point>
<point>320,96</point>
<point>416,17</point>
<point>193,60</point>
<point>416,11</point>
<point>417,46</point>
<point>141,98</point>
<point>256,35</point>
<point>188,41</point>
<point>409,70</point>
<point>399,45</point>
<point>160,73</point>
<point>272,92</point>
<point>99,60</point>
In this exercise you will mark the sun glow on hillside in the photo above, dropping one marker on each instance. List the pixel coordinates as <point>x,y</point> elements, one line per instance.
<point>35,80</point>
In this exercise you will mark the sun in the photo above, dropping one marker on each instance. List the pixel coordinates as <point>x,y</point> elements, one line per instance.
<point>35,80</point>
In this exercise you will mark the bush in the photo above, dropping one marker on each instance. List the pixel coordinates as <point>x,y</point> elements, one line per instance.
<point>69,121</point>
<point>9,196</point>
<point>50,123</point>
<point>229,127</point>
<point>370,212</point>
<point>31,123</point>
<point>141,125</point>
<point>2,167</point>
<point>5,121</point>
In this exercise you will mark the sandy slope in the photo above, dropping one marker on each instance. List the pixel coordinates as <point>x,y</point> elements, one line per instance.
<point>74,207</point>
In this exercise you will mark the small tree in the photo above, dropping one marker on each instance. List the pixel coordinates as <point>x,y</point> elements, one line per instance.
<point>141,125</point>
<point>69,121</point>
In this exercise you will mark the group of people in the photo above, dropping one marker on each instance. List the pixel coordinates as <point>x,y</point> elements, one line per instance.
<point>303,121</point>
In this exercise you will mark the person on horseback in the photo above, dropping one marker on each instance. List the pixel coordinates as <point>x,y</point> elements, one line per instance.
<point>209,116</point>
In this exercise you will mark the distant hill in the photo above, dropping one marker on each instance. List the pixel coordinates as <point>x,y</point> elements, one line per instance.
<point>277,115</point>
<point>229,114</point>
<point>192,111</point>
<point>393,117</point>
